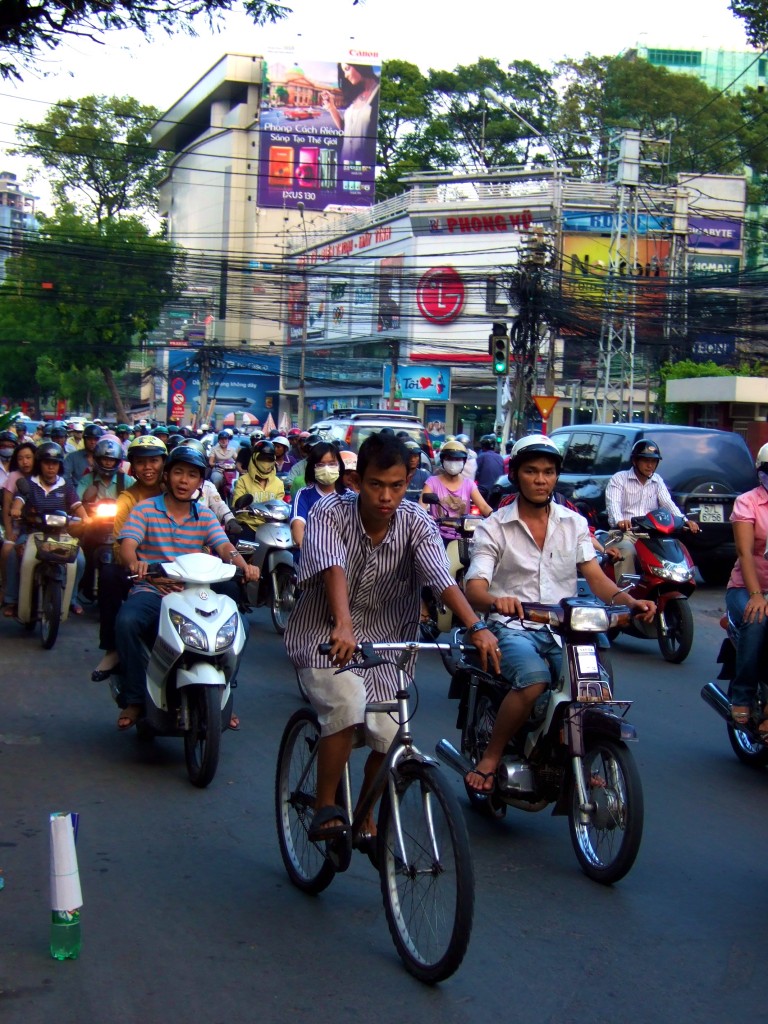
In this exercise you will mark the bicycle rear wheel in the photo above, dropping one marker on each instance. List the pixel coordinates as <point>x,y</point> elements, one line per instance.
<point>295,787</point>
<point>428,886</point>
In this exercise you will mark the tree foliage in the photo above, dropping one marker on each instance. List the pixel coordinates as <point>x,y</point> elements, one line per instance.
<point>754,13</point>
<point>97,155</point>
<point>82,294</point>
<point>30,27</point>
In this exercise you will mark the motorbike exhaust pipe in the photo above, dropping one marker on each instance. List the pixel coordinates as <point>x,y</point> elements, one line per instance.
<point>450,756</point>
<point>714,696</point>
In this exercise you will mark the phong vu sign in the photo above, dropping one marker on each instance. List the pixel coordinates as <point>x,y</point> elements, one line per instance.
<point>419,383</point>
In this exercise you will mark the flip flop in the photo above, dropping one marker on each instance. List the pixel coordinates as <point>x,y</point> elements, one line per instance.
<point>234,723</point>
<point>76,609</point>
<point>10,611</point>
<point>320,829</point>
<point>484,776</point>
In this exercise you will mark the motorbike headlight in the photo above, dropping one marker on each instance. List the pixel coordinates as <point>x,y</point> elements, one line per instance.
<point>589,619</point>
<point>226,635</point>
<point>189,631</point>
<point>675,573</point>
<point>55,521</point>
<point>105,510</point>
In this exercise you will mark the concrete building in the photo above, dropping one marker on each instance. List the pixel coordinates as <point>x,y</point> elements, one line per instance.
<point>732,71</point>
<point>17,217</point>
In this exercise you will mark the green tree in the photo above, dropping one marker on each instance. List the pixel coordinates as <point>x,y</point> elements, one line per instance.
<point>83,293</point>
<point>29,28</point>
<point>97,154</point>
<point>754,13</point>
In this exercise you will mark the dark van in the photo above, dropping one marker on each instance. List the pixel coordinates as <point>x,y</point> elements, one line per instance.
<point>705,470</point>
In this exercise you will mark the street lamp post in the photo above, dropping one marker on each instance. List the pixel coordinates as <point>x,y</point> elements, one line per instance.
<point>304,315</point>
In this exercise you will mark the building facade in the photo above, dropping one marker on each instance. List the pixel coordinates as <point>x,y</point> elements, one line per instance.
<point>17,217</point>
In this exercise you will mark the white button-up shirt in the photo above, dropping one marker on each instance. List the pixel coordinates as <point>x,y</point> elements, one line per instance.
<point>627,496</point>
<point>505,554</point>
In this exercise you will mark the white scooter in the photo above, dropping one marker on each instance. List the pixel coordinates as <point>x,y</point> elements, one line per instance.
<point>271,552</point>
<point>192,662</point>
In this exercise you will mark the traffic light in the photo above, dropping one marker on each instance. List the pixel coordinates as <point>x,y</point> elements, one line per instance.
<point>498,346</point>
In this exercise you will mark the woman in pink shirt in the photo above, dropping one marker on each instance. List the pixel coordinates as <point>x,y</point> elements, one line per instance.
<point>745,597</point>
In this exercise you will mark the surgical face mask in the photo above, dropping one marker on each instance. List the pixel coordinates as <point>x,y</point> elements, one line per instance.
<point>453,466</point>
<point>326,474</point>
<point>6,453</point>
<point>264,466</point>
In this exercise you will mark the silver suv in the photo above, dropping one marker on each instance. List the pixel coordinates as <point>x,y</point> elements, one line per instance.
<point>352,426</point>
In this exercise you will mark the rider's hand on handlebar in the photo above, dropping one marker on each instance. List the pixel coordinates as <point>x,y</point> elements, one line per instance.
<point>343,644</point>
<point>624,524</point>
<point>488,648</point>
<point>692,525</point>
<point>252,573</point>
<point>511,606</point>
<point>644,610</point>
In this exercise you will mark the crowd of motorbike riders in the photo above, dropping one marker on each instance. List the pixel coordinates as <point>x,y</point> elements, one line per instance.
<point>528,550</point>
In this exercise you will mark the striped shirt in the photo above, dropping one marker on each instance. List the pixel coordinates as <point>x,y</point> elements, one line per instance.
<point>161,538</point>
<point>47,500</point>
<point>626,496</point>
<point>384,582</point>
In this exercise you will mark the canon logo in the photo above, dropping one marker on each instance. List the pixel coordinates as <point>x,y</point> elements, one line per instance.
<point>364,53</point>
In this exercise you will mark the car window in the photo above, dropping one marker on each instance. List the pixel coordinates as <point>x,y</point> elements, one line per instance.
<point>415,432</point>
<point>610,455</point>
<point>582,452</point>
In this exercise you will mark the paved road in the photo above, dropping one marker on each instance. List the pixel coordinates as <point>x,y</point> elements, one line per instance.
<point>188,912</point>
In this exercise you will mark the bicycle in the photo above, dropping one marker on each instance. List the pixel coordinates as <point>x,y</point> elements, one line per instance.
<point>422,847</point>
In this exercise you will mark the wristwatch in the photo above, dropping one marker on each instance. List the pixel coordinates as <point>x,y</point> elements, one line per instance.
<point>476,627</point>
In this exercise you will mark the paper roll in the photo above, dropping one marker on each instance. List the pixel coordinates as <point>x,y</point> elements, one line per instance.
<point>65,877</point>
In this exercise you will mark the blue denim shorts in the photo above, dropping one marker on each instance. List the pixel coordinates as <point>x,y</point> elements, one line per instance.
<point>528,657</point>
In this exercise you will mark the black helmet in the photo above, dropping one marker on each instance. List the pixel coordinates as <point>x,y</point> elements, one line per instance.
<point>8,437</point>
<point>174,440</point>
<point>58,429</point>
<point>92,430</point>
<point>645,448</point>
<point>50,452</point>
<point>188,454</point>
<point>488,442</point>
<point>263,450</point>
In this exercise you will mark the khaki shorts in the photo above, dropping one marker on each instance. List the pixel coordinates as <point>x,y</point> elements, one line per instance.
<point>339,700</point>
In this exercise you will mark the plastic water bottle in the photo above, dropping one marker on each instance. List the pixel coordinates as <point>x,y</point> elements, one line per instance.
<point>65,934</point>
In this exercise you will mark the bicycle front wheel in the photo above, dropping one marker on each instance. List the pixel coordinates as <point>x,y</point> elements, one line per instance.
<point>427,881</point>
<point>295,787</point>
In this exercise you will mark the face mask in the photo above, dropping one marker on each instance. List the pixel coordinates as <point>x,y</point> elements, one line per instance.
<point>453,467</point>
<point>326,474</point>
<point>264,467</point>
<point>6,453</point>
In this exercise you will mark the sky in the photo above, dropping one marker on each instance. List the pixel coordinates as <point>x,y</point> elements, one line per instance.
<point>429,33</point>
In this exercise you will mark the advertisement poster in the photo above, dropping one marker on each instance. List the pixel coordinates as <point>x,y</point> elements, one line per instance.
<point>237,383</point>
<point>705,233</point>
<point>390,296</point>
<point>318,131</point>
<point>419,383</point>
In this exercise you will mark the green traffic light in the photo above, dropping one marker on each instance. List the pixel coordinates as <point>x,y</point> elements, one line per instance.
<point>499,367</point>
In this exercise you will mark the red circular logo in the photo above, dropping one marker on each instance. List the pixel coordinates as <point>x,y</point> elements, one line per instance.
<point>440,295</point>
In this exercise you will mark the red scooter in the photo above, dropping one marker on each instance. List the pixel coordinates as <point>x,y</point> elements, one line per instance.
<point>665,575</point>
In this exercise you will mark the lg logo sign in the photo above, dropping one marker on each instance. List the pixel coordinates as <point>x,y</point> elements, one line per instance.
<point>440,295</point>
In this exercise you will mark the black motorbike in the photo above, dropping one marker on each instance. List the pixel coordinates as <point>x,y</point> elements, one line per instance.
<point>572,752</point>
<point>745,740</point>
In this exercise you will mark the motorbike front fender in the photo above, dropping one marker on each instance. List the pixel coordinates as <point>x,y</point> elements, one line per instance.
<point>200,673</point>
<point>598,723</point>
<point>277,557</point>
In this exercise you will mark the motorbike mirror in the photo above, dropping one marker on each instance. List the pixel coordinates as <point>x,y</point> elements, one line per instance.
<point>430,499</point>
<point>22,487</point>
<point>242,502</point>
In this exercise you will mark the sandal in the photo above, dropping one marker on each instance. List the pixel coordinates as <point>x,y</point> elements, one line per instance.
<point>321,827</point>
<point>483,790</point>
<point>76,609</point>
<point>129,716</point>
<point>9,611</point>
<point>234,723</point>
<point>740,714</point>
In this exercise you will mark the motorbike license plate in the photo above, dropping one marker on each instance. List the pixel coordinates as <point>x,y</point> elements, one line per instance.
<point>711,514</point>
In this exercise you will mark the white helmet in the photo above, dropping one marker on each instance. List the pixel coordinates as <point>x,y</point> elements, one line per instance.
<point>532,446</point>
<point>761,462</point>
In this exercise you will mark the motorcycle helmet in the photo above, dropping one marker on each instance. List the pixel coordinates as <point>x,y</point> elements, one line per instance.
<point>92,430</point>
<point>8,442</point>
<point>188,454</point>
<point>57,433</point>
<point>462,439</point>
<point>48,451</point>
<point>645,449</point>
<point>488,442</point>
<point>761,461</point>
<point>263,458</point>
<point>173,440</point>
<point>161,431</point>
<point>147,447</point>
<point>108,448</point>
<point>122,428</point>
<point>224,435</point>
<point>531,447</point>
<point>454,450</point>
